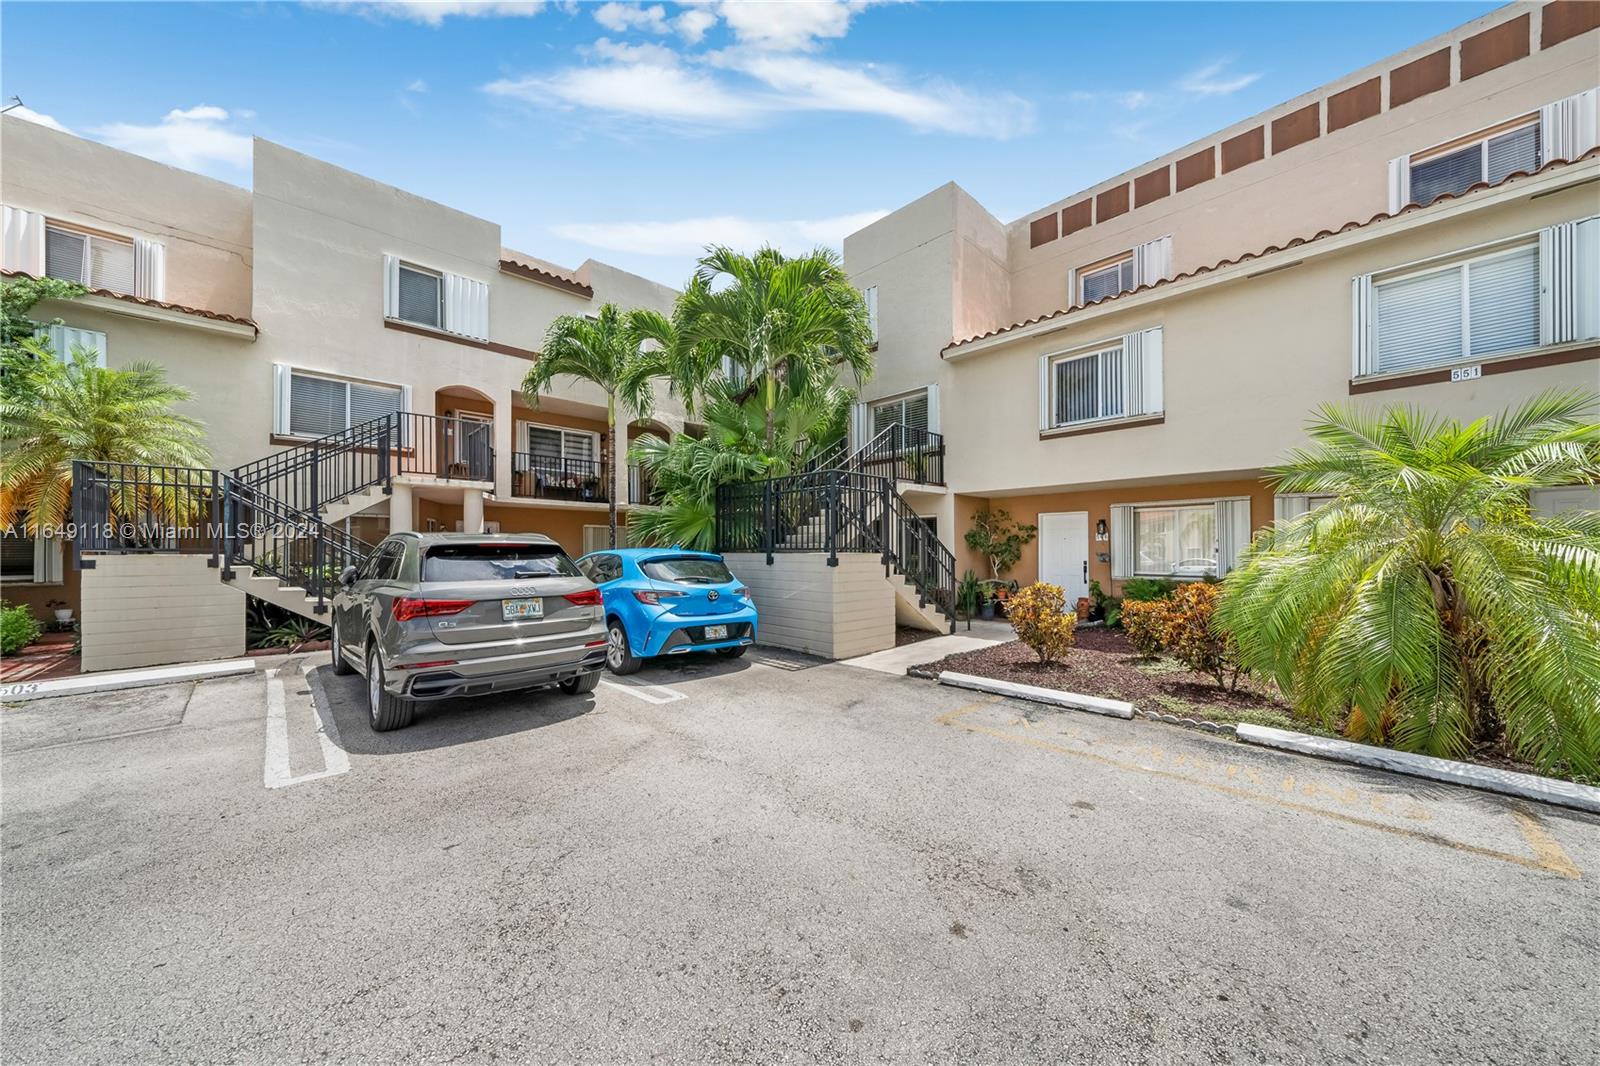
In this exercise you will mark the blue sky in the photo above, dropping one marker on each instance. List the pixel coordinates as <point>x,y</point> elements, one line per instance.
<point>634,133</point>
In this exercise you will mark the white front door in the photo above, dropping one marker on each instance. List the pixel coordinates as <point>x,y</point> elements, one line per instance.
<point>1064,553</point>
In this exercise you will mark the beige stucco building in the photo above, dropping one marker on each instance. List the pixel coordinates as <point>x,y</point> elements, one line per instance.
<point>1120,367</point>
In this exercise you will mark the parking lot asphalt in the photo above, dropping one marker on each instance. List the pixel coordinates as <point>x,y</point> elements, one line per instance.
<point>770,859</point>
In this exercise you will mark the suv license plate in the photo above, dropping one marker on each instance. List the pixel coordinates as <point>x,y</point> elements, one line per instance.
<point>512,610</point>
<point>716,632</point>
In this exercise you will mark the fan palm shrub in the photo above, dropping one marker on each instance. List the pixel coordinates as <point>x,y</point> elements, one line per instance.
<point>57,408</point>
<point>608,352</point>
<point>1427,607</point>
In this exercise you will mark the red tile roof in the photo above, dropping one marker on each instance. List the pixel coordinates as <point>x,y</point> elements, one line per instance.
<point>1271,249</point>
<point>146,302</point>
<point>546,277</point>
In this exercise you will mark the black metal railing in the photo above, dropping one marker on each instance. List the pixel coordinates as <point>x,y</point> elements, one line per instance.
<point>132,508</point>
<point>309,476</point>
<point>834,511</point>
<point>903,453</point>
<point>641,485</point>
<point>542,477</point>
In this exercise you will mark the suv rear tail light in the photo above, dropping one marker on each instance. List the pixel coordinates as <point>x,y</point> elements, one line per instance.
<point>586,598</point>
<point>654,598</point>
<point>405,608</point>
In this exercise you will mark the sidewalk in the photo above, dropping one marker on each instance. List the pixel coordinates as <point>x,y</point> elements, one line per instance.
<point>898,660</point>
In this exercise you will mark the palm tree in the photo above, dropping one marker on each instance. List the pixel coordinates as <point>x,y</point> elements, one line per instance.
<point>607,352</point>
<point>57,409</point>
<point>784,324</point>
<point>687,470</point>
<point>1427,607</point>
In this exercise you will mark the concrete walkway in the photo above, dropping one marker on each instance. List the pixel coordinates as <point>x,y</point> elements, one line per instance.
<point>898,660</point>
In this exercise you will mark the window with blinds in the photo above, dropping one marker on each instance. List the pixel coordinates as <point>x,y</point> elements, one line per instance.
<point>319,406</point>
<point>1085,388</point>
<point>421,297</point>
<point>89,259</point>
<point>549,442</point>
<point>1096,283</point>
<point>1175,541</point>
<point>16,556</point>
<point>1472,309</point>
<point>1491,158</point>
<point>909,411</point>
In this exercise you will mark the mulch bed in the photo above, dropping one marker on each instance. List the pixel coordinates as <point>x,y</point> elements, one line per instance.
<point>904,635</point>
<point>1103,664</point>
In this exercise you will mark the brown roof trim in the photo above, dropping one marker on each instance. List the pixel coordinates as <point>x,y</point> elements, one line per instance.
<point>146,302</point>
<point>467,342</point>
<point>1271,249</point>
<point>545,277</point>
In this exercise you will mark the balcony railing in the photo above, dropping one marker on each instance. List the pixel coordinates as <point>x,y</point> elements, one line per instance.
<point>903,453</point>
<point>541,477</point>
<point>641,486</point>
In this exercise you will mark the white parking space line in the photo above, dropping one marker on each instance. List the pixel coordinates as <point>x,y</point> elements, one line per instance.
<point>648,693</point>
<point>275,771</point>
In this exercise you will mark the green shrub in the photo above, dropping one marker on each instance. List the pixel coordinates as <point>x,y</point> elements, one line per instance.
<point>1192,639</point>
<point>1039,616</point>
<point>1145,622</point>
<point>1147,588</point>
<point>18,628</point>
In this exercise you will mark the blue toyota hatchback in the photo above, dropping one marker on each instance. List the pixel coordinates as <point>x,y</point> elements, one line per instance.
<point>668,601</point>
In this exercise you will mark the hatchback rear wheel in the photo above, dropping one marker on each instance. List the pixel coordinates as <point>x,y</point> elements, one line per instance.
<point>619,656</point>
<point>384,711</point>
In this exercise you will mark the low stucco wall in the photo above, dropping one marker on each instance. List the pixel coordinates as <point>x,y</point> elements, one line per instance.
<point>833,611</point>
<point>146,610</point>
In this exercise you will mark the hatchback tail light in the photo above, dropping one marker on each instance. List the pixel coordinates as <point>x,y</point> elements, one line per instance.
<point>653,597</point>
<point>405,608</point>
<point>586,598</point>
<point>742,592</point>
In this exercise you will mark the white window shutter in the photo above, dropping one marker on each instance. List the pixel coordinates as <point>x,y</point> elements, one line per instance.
<point>23,247</point>
<point>1122,547</point>
<point>405,398</point>
<point>1285,508</point>
<point>1569,282</point>
<point>860,426</point>
<point>47,559</point>
<point>1074,298</point>
<point>466,307</point>
<point>64,340</point>
<point>1362,359</point>
<point>391,286</point>
<point>1399,183</point>
<point>149,269</point>
<point>280,398</point>
<point>1152,261</point>
<point>1151,397</point>
<point>1233,533</point>
<point>870,296</point>
<point>1044,392</point>
<point>1568,128</point>
<point>933,408</point>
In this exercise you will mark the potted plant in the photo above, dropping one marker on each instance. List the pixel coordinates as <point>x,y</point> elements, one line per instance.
<point>986,609</point>
<point>63,611</point>
<point>969,594</point>
<point>1082,607</point>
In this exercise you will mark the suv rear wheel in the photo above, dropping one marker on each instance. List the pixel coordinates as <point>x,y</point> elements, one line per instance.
<point>340,666</point>
<point>384,711</point>
<point>573,686</point>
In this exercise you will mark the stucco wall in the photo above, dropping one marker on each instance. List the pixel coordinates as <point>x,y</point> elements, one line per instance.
<point>145,610</point>
<point>804,604</point>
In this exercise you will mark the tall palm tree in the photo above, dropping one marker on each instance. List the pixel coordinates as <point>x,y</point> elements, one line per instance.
<point>1427,607</point>
<point>607,352</point>
<point>55,409</point>
<point>783,323</point>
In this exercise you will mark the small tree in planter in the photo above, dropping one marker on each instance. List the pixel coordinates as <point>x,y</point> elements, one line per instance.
<point>1039,616</point>
<point>999,539</point>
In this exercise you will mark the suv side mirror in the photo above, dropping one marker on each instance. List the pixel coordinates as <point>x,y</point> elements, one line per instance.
<point>347,576</point>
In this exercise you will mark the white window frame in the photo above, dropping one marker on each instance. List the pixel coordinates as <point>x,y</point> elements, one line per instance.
<point>1097,351</point>
<point>1175,507</point>
<point>525,442</point>
<point>899,401</point>
<point>73,336</point>
<point>417,268</point>
<point>288,397</point>
<point>1479,140</point>
<point>90,236</point>
<point>1461,262</point>
<point>1083,274</point>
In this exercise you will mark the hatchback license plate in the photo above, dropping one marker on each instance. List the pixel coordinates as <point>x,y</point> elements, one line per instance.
<point>716,632</point>
<point>513,610</point>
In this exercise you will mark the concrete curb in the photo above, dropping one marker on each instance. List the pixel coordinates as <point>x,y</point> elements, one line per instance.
<point>1055,697</point>
<point>1486,778</point>
<point>23,691</point>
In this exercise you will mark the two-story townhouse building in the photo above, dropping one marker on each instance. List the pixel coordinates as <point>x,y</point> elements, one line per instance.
<point>309,305</point>
<point>1122,366</point>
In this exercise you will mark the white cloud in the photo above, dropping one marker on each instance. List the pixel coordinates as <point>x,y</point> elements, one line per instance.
<point>619,18</point>
<point>787,27</point>
<point>642,80</point>
<point>1210,80</point>
<point>417,85</point>
<point>434,12</point>
<point>28,114</point>
<point>188,138</point>
<point>693,23</point>
<point>689,236</point>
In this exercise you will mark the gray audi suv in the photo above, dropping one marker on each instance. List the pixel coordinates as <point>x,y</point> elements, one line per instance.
<point>429,616</point>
